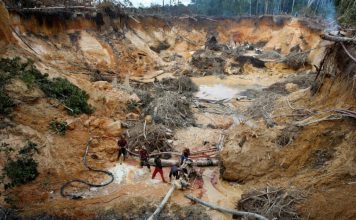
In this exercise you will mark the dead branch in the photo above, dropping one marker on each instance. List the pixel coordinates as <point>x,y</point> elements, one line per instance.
<point>298,109</point>
<point>171,109</point>
<point>327,118</point>
<point>338,38</point>
<point>133,18</point>
<point>230,211</point>
<point>272,202</point>
<point>155,137</point>
<point>347,52</point>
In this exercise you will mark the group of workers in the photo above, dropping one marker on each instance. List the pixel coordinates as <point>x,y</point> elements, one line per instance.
<point>180,173</point>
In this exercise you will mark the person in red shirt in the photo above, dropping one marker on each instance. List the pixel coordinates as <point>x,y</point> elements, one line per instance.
<point>144,157</point>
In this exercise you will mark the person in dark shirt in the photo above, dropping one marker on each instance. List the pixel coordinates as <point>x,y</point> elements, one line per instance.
<point>122,144</point>
<point>158,168</point>
<point>174,173</point>
<point>144,157</point>
<point>185,155</point>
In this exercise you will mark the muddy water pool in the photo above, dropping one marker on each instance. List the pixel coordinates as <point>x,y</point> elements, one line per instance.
<point>214,88</point>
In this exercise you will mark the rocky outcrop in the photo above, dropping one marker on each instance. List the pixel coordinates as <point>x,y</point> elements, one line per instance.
<point>107,127</point>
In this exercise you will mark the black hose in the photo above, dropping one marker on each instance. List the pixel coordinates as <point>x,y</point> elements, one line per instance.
<point>85,162</point>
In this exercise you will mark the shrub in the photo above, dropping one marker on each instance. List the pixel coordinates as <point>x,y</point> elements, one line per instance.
<point>145,97</point>
<point>5,147</point>
<point>6,103</point>
<point>171,109</point>
<point>183,84</point>
<point>71,96</point>
<point>60,127</point>
<point>132,105</point>
<point>21,171</point>
<point>296,60</point>
<point>29,149</point>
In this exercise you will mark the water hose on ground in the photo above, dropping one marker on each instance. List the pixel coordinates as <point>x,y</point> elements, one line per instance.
<point>85,162</point>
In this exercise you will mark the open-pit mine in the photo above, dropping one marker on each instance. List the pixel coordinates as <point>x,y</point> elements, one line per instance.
<point>265,105</point>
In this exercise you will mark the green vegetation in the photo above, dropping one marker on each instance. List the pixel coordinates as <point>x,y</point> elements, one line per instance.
<point>70,95</point>
<point>5,147</point>
<point>60,127</point>
<point>347,11</point>
<point>29,149</point>
<point>20,171</point>
<point>24,168</point>
<point>6,103</point>
<point>61,89</point>
<point>132,105</point>
<point>323,8</point>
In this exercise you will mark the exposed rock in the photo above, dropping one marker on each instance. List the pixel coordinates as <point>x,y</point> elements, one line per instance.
<point>114,128</point>
<point>19,91</point>
<point>95,143</point>
<point>106,125</point>
<point>160,46</point>
<point>103,85</point>
<point>134,97</point>
<point>291,87</point>
<point>132,116</point>
<point>252,60</point>
<point>148,119</point>
<point>87,122</point>
<point>73,123</point>
<point>233,68</point>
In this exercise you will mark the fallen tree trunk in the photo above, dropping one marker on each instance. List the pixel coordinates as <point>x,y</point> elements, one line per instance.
<point>155,215</point>
<point>338,38</point>
<point>230,211</point>
<point>204,162</point>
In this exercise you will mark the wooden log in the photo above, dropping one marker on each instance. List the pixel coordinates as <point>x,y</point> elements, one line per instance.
<point>230,211</point>
<point>338,38</point>
<point>203,162</point>
<point>155,215</point>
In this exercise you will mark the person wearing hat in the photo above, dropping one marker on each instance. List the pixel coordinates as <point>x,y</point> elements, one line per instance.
<point>144,157</point>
